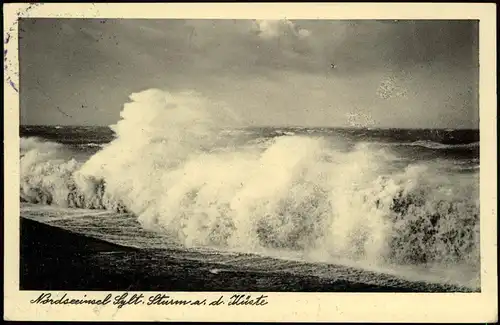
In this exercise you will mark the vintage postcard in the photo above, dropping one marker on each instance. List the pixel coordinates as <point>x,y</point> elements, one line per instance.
<point>250,162</point>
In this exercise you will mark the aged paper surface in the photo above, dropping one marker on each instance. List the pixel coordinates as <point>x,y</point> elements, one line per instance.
<point>273,23</point>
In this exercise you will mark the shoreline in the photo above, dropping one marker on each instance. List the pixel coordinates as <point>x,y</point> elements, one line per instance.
<point>52,258</point>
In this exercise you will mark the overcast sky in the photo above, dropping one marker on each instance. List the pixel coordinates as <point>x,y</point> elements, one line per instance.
<point>404,74</point>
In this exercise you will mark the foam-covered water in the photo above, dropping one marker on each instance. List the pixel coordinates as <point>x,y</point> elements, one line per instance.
<point>404,204</point>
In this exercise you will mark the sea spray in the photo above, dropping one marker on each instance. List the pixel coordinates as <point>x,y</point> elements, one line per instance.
<point>169,167</point>
<point>45,172</point>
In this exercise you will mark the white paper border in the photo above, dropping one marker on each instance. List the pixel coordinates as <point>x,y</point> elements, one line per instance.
<point>386,307</point>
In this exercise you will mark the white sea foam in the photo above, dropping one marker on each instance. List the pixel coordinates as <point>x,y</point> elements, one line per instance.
<point>292,192</point>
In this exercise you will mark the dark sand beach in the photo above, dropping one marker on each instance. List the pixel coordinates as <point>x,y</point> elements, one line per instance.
<point>56,259</point>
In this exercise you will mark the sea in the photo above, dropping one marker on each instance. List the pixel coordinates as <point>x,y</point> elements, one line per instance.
<point>384,207</point>
<point>248,208</point>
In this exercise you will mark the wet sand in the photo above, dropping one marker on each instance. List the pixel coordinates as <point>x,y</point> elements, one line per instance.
<point>57,259</point>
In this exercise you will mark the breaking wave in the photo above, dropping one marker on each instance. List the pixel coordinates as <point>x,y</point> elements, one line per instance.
<point>438,145</point>
<point>169,167</point>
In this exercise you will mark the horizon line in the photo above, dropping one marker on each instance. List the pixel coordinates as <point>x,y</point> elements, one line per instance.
<point>283,126</point>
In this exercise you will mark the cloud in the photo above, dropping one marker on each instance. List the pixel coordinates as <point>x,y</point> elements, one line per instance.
<point>269,29</point>
<point>97,63</point>
<point>303,33</point>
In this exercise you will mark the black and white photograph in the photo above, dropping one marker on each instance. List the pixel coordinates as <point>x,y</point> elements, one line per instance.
<point>249,155</point>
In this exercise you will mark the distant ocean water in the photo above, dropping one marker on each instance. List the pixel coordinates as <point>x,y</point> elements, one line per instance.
<point>459,147</point>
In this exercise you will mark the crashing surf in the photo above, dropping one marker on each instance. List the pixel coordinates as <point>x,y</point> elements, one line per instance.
<point>168,166</point>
